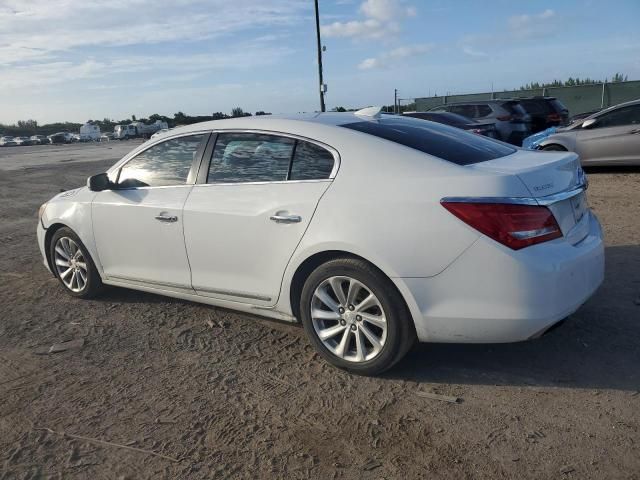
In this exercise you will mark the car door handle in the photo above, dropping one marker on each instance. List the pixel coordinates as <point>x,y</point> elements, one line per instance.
<point>166,218</point>
<point>280,218</point>
<point>635,131</point>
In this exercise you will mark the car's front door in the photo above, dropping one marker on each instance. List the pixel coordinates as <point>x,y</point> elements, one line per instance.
<point>138,225</point>
<point>614,138</point>
<point>248,212</point>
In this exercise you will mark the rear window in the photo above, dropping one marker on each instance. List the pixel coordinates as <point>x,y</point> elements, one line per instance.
<point>558,105</point>
<point>448,143</point>
<point>514,108</point>
<point>536,107</point>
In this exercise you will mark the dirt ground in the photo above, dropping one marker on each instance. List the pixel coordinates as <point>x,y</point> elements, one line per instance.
<point>163,388</point>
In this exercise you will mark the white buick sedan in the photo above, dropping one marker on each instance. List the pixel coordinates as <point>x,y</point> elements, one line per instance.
<point>373,231</point>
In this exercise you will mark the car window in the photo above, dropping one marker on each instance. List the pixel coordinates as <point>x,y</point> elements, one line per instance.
<point>311,162</point>
<point>536,107</point>
<point>558,105</point>
<point>483,111</point>
<point>442,141</point>
<point>250,157</point>
<point>622,116</point>
<point>464,110</point>
<point>164,164</point>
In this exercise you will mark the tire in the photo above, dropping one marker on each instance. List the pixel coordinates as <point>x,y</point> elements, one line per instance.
<point>553,148</point>
<point>67,265</point>
<point>348,329</point>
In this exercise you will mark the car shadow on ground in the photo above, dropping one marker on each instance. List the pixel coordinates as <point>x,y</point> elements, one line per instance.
<point>598,347</point>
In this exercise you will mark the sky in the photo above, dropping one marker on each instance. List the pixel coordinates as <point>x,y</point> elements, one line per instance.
<point>74,60</point>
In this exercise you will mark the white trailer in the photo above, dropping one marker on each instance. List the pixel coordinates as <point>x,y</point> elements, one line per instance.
<point>89,131</point>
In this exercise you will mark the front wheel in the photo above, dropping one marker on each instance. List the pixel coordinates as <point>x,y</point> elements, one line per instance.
<point>355,317</point>
<point>73,265</point>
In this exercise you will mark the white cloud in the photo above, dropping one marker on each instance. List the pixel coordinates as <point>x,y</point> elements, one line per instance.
<point>396,54</point>
<point>35,30</point>
<point>165,68</point>
<point>473,52</point>
<point>369,63</point>
<point>520,21</point>
<point>381,19</point>
<point>386,10</point>
<point>355,28</point>
<point>518,29</point>
<point>529,25</point>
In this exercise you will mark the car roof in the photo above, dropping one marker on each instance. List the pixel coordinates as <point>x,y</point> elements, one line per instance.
<point>532,98</point>
<point>267,122</point>
<point>614,107</point>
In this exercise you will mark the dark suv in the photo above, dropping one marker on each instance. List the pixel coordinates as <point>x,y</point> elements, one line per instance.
<point>545,112</point>
<point>509,117</point>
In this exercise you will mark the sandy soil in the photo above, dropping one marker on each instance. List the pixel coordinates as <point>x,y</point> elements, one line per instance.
<point>181,390</point>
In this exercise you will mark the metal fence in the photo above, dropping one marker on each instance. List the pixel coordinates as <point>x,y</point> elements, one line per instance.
<point>578,99</point>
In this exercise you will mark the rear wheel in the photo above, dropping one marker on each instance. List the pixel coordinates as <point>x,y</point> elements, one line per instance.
<point>554,148</point>
<point>73,265</point>
<point>355,317</point>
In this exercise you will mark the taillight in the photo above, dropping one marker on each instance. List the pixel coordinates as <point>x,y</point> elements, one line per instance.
<point>505,118</point>
<point>554,117</point>
<point>516,226</point>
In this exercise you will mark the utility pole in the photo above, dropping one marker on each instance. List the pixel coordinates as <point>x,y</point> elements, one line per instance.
<point>395,100</point>
<point>322,86</point>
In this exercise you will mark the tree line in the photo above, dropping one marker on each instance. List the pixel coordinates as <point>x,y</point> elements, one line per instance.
<point>572,82</point>
<point>31,127</point>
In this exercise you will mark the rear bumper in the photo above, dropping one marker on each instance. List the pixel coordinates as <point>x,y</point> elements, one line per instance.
<point>492,294</point>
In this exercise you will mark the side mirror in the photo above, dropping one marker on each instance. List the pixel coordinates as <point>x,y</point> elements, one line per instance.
<point>589,123</point>
<point>99,182</point>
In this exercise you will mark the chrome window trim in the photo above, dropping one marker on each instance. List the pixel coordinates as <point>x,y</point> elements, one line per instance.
<point>534,201</point>
<point>150,187</point>
<point>334,153</point>
<point>266,182</point>
<point>137,151</point>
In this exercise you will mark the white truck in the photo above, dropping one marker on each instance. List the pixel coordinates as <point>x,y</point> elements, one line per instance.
<point>138,130</point>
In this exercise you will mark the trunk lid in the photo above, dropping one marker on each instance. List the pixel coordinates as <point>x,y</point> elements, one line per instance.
<point>548,174</point>
<point>543,173</point>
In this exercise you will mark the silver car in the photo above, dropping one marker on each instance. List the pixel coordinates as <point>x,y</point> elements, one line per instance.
<point>609,137</point>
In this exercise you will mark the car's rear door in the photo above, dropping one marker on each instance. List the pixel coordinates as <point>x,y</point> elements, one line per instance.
<point>249,210</point>
<point>614,138</point>
<point>138,225</point>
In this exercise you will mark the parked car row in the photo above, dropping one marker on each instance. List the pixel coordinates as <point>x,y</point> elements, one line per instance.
<point>60,137</point>
<point>9,141</point>
<point>509,120</point>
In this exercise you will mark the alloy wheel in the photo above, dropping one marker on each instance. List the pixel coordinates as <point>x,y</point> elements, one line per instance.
<point>70,264</point>
<point>349,319</point>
